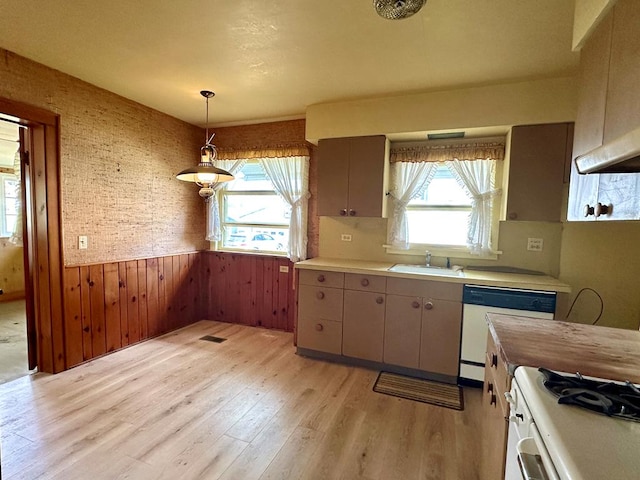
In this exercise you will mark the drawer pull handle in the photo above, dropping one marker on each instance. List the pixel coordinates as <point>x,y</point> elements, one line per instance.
<point>319,327</point>
<point>428,305</point>
<point>494,360</point>
<point>364,282</point>
<point>320,295</point>
<point>415,304</point>
<point>490,387</point>
<point>321,278</point>
<point>379,300</point>
<point>493,400</point>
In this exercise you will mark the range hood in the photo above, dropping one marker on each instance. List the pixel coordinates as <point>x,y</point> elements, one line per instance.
<point>621,155</point>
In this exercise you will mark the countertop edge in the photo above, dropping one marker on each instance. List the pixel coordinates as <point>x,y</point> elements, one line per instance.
<point>475,277</point>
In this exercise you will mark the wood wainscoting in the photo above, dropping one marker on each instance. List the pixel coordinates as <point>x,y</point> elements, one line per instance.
<point>111,305</point>
<point>249,290</point>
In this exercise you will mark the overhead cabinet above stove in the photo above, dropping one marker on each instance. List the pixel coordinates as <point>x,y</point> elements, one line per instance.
<point>353,176</point>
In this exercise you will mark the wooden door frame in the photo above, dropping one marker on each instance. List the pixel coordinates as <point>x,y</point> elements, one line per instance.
<point>43,228</point>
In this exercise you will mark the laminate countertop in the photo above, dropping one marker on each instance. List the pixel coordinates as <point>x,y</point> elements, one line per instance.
<point>604,352</point>
<point>474,277</point>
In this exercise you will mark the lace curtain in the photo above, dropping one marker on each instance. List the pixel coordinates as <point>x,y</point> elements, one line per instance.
<point>16,235</point>
<point>477,179</point>
<point>408,180</point>
<point>214,230</point>
<point>290,179</point>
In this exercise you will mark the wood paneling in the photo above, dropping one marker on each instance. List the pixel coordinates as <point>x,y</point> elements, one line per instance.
<point>112,305</point>
<point>248,289</point>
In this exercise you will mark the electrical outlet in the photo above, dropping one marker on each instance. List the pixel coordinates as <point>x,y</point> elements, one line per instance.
<point>83,242</point>
<point>535,244</point>
<point>345,237</point>
<point>284,269</point>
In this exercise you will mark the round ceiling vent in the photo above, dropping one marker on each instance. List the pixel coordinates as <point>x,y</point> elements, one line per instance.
<point>397,9</point>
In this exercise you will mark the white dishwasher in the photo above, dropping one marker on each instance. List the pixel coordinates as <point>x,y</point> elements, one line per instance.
<point>477,302</point>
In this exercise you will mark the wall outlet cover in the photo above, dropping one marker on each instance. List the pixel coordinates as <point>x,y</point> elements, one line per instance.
<point>284,269</point>
<point>535,244</point>
<point>345,237</point>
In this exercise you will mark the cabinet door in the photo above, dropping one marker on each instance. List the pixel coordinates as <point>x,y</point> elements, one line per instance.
<point>589,127</point>
<point>333,176</point>
<point>402,331</point>
<point>494,431</point>
<point>363,325</point>
<point>536,172</point>
<point>367,177</point>
<point>440,336</point>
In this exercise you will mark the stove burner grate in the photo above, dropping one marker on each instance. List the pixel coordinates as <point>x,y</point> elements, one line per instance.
<point>608,398</point>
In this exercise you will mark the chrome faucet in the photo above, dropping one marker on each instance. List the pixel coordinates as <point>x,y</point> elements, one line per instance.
<point>428,259</point>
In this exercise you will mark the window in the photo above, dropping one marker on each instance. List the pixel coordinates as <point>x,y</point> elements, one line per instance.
<point>440,215</point>
<point>254,216</point>
<point>8,204</point>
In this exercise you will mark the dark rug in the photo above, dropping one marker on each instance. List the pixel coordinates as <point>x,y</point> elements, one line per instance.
<point>420,390</point>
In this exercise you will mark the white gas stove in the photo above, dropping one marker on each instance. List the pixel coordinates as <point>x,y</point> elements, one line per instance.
<point>551,440</point>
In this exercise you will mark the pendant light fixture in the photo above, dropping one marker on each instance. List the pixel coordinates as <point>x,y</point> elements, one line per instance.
<point>205,174</point>
<point>397,9</point>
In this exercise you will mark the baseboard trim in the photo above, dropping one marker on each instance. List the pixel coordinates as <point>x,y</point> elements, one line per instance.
<point>12,296</point>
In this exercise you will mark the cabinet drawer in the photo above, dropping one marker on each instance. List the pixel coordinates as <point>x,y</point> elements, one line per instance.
<point>425,288</point>
<point>322,278</point>
<point>320,302</point>
<point>369,283</point>
<point>320,335</point>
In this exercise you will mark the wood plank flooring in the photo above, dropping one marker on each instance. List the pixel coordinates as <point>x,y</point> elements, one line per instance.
<point>176,407</point>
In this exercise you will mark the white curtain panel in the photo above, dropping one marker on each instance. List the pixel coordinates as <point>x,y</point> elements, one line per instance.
<point>214,229</point>
<point>16,235</point>
<point>408,180</point>
<point>477,178</point>
<point>290,179</point>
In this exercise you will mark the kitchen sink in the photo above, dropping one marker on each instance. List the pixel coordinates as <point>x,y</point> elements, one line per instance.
<point>424,270</point>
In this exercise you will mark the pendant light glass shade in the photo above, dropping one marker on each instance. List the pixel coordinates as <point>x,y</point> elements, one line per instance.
<point>205,174</point>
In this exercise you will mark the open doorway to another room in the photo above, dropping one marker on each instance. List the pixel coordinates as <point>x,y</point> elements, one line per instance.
<point>14,360</point>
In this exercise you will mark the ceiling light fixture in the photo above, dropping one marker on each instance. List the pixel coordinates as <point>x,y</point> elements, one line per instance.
<point>397,9</point>
<point>205,174</point>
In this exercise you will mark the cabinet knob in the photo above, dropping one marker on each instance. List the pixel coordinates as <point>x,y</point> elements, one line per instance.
<point>494,360</point>
<point>603,209</point>
<point>352,213</point>
<point>319,327</point>
<point>489,387</point>
<point>493,400</point>
<point>379,300</point>
<point>343,212</point>
<point>415,304</point>
<point>364,282</point>
<point>320,295</point>
<point>321,278</point>
<point>428,305</point>
<point>588,210</point>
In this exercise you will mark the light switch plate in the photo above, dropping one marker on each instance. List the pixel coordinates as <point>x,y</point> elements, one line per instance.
<point>535,244</point>
<point>83,242</point>
<point>284,269</point>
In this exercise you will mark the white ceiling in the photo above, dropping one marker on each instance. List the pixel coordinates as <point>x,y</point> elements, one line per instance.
<point>268,60</point>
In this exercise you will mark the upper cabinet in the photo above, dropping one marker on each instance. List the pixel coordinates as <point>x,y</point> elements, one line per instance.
<point>353,176</point>
<point>537,162</point>
<point>608,107</point>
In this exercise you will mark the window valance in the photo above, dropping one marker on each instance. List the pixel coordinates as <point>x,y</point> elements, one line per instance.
<point>444,153</point>
<point>276,151</point>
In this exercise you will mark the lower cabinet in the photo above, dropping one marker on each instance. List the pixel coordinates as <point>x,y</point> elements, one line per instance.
<point>402,322</point>
<point>363,325</point>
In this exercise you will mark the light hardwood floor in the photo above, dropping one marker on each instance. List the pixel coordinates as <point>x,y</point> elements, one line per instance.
<point>13,341</point>
<point>177,407</point>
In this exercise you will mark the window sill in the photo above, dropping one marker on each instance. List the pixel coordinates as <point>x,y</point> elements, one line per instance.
<point>441,251</point>
<point>249,252</point>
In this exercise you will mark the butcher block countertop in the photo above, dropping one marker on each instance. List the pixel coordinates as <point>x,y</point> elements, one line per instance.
<point>475,277</point>
<point>604,352</point>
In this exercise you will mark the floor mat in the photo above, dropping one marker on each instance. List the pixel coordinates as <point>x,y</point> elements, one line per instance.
<point>420,390</point>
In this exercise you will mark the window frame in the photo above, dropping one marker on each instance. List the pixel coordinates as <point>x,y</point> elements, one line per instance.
<point>456,251</point>
<point>4,176</point>
<point>222,194</point>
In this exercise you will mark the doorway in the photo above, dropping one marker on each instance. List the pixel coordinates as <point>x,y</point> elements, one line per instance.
<point>42,234</point>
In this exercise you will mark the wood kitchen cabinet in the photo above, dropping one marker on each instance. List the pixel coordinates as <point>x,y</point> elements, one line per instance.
<point>440,336</point>
<point>403,323</point>
<point>364,317</point>
<point>608,106</point>
<point>539,154</point>
<point>353,176</point>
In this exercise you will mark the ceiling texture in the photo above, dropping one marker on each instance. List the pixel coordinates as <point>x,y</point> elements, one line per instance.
<point>269,60</point>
